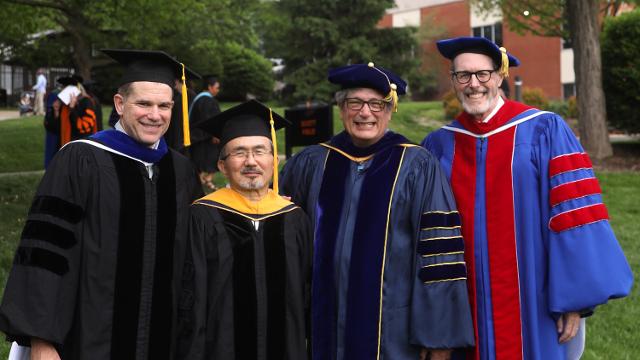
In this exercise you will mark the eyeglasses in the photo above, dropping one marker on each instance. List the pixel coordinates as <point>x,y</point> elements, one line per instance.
<point>242,155</point>
<point>356,104</point>
<point>463,77</point>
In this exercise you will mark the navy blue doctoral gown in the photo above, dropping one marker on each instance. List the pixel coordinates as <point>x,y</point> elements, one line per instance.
<point>389,275</point>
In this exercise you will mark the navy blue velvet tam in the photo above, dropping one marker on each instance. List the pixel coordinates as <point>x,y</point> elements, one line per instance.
<point>450,48</point>
<point>367,76</point>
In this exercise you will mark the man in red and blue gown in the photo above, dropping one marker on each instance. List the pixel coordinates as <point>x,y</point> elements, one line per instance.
<point>540,251</point>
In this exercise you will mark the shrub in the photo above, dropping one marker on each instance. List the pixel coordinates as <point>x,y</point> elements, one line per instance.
<point>559,107</point>
<point>572,108</point>
<point>452,106</point>
<point>535,97</point>
<point>621,70</point>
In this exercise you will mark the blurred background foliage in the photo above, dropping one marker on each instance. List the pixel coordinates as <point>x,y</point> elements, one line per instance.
<point>240,41</point>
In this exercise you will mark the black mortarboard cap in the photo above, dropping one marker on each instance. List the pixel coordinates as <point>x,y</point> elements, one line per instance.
<point>250,118</point>
<point>155,66</point>
<point>149,65</point>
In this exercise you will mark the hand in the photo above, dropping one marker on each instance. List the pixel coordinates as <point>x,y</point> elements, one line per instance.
<point>56,108</point>
<point>43,350</point>
<point>215,140</point>
<point>435,354</point>
<point>568,325</point>
<point>73,101</point>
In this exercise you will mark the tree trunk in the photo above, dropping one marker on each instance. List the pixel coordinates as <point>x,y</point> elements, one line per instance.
<point>82,57</point>
<point>79,30</point>
<point>592,115</point>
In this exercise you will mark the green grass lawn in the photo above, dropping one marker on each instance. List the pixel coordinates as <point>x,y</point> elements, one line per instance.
<point>611,332</point>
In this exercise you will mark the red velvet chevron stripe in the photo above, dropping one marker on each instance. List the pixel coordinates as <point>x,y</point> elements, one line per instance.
<point>574,190</point>
<point>578,217</point>
<point>569,162</point>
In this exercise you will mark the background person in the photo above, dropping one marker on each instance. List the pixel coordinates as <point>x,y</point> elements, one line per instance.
<point>73,111</point>
<point>205,148</point>
<point>40,88</point>
<point>175,136</point>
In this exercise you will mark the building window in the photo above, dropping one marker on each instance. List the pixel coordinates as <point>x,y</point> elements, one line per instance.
<point>568,90</point>
<point>491,32</point>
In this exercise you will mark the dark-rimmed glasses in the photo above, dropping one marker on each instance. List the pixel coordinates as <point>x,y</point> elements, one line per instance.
<point>463,77</point>
<point>356,104</point>
<point>243,154</point>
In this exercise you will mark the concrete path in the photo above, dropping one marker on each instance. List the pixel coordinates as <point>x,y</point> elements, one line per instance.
<point>9,114</point>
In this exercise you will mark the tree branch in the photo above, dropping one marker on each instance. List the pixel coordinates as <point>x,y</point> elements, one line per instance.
<point>39,4</point>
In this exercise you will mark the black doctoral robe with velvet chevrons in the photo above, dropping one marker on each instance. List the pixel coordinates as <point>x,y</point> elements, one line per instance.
<point>252,266</point>
<point>97,266</point>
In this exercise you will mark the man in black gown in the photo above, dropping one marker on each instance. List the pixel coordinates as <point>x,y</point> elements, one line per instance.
<point>94,276</point>
<point>251,252</point>
<point>204,147</point>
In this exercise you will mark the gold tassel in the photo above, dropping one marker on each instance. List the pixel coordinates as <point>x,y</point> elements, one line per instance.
<point>394,97</point>
<point>504,67</point>
<point>275,153</point>
<point>185,111</point>
<point>393,93</point>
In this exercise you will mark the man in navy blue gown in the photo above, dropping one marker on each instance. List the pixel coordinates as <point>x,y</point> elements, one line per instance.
<point>389,278</point>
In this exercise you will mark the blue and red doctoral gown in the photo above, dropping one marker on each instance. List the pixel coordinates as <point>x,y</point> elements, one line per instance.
<point>388,264</point>
<point>537,232</point>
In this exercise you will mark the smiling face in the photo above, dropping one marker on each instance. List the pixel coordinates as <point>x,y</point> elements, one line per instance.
<point>248,164</point>
<point>365,127</point>
<point>145,111</point>
<point>478,99</point>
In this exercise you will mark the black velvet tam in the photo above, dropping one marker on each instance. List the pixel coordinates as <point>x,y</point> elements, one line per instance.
<point>250,118</point>
<point>146,65</point>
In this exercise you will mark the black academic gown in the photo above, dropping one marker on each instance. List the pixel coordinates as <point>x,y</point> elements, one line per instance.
<point>252,286</point>
<point>204,153</point>
<point>174,135</point>
<point>93,273</point>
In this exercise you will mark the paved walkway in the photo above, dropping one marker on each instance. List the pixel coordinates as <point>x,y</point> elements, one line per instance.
<point>19,173</point>
<point>9,114</point>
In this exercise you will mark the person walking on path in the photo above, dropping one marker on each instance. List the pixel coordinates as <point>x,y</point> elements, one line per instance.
<point>40,88</point>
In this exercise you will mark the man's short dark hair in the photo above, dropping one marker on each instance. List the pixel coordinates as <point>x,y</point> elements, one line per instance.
<point>210,81</point>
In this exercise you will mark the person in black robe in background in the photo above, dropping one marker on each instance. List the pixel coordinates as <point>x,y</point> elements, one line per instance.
<point>89,86</point>
<point>95,274</point>
<point>204,147</point>
<point>251,253</point>
<point>175,134</point>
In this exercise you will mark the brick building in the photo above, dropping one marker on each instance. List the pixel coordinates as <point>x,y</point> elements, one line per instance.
<point>547,62</point>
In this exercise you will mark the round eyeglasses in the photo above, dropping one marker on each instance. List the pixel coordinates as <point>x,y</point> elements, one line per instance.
<point>463,77</point>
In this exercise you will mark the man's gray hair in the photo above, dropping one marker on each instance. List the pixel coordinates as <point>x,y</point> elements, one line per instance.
<point>125,90</point>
